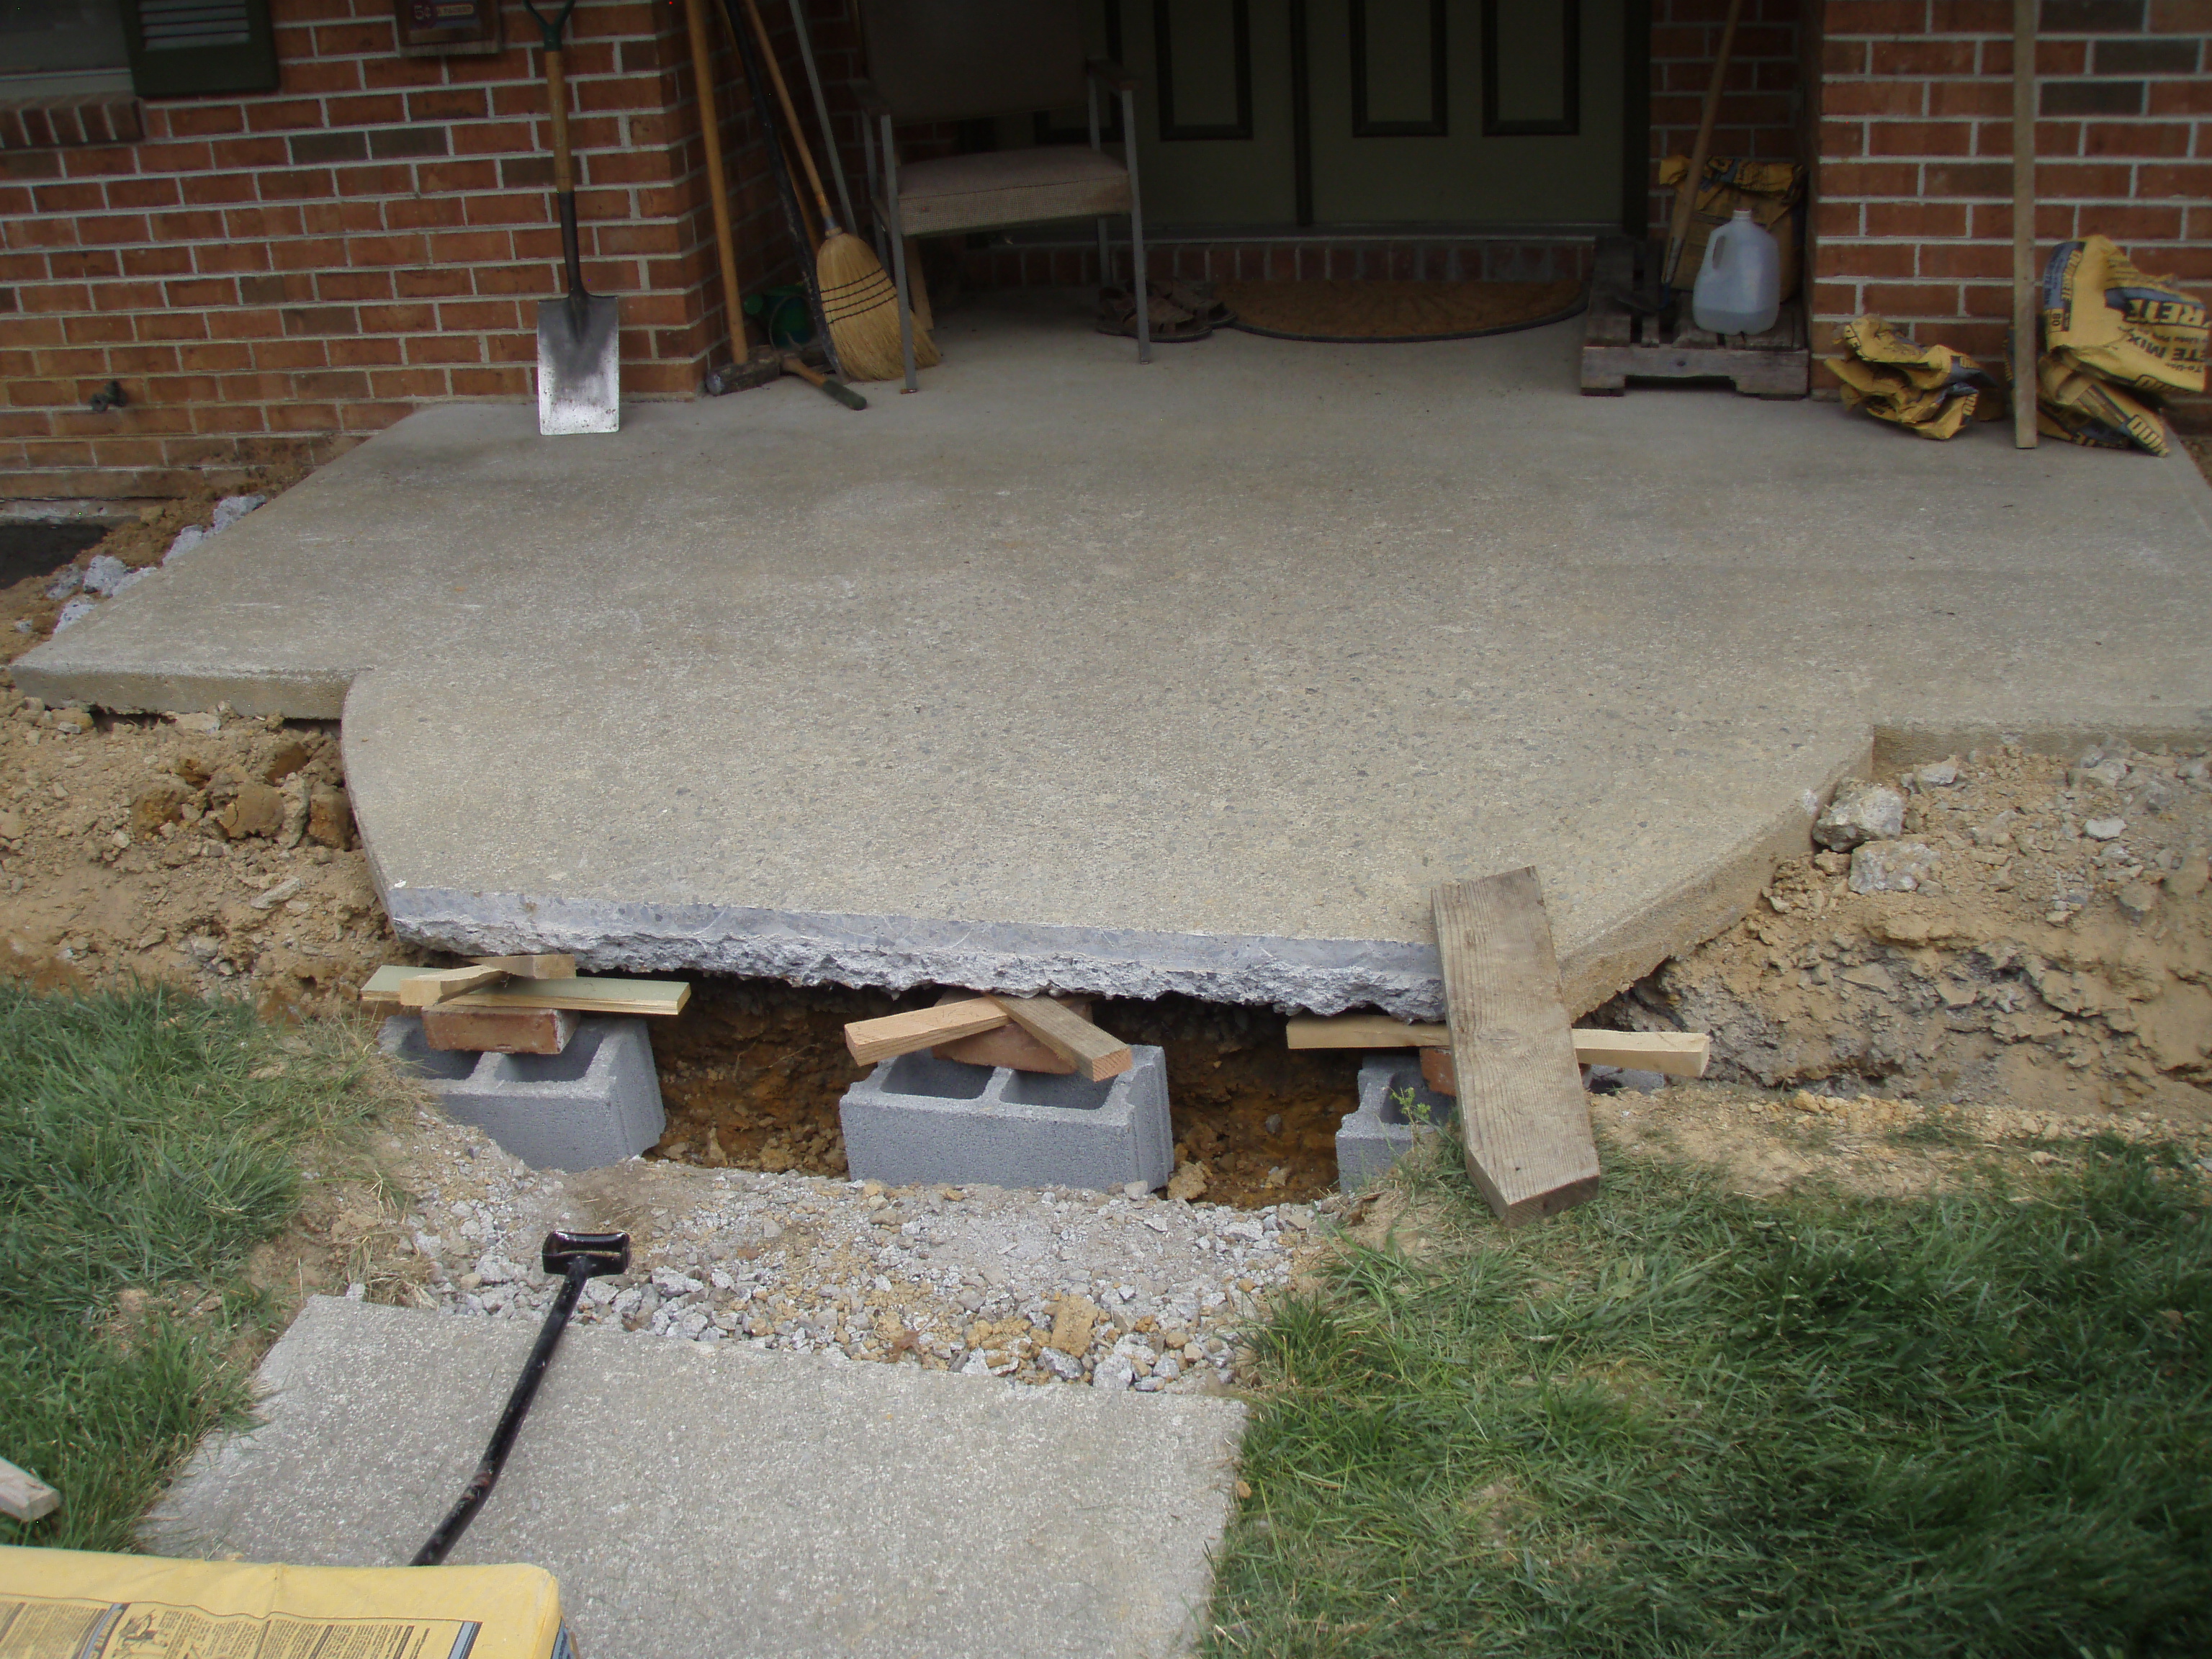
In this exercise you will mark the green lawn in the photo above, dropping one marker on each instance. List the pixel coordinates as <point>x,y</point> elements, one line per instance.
<point>1679,1422</point>
<point>147,1144</point>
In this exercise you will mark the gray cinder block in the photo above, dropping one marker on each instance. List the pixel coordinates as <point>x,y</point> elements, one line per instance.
<point>920,1118</point>
<point>1373,1138</point>
<point>596,1103</point>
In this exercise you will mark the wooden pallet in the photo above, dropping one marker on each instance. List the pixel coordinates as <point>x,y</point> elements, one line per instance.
<point>1619,345</point>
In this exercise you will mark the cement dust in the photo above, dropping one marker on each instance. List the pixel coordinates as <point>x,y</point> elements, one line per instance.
<point>2059,961</point>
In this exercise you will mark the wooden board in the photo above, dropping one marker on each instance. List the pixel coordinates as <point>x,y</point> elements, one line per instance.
<point>1363,1031</point>
<point>657,997</point>
<point>542,965</point>
<point>23,1495</point>
<point>499,1031</point>
<point>1010,1046</point>
<point>1675,1053</point>
<point>872,1040</point>
<point>1620,344</point>
<point>1097,1055</point>
<point>1524,1118</point>
<point>427,986</point>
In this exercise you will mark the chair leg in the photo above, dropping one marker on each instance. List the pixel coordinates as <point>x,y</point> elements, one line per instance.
<point>898,262</point>
<point>1105,256</point>
<point>875,214</point>
<point>1137,234</point>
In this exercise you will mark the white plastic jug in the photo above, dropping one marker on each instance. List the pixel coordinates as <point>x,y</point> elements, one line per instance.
<point>1738,288</point>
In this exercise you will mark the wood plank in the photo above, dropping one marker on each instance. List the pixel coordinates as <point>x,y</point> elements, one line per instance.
<point>23,1495</point>
<point>656,997</point>
<point>1010,1046</point>
<point>872,1040</point>
<point>1673,1053</point>
<point>1363,1031</point>
<point>427,986</point>
<point>542,965</point>
<point>1097,1054</point>
<point>1678,1054</point>
<point>499,1031</point>
<point>1524,1118</point>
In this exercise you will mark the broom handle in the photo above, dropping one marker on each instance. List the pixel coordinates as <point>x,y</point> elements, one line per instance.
<point>1686,199</point>
<point>822,107</point>
<point>829,226</point>
<point>718,184</point>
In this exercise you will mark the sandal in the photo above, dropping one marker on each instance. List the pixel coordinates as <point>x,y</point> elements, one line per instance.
<point>1198,298</point>
<point>1171,322</point>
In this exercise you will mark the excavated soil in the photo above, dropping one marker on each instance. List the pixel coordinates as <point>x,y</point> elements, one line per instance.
<point>2059,959</point>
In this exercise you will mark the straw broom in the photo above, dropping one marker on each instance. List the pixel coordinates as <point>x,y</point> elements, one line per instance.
<point>858,300</point>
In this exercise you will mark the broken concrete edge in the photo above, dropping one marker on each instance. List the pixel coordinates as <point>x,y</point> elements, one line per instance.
<point>55,676</point>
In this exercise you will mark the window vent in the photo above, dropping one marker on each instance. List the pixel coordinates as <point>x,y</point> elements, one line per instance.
<point>169,25</point>
<point>183,47</point>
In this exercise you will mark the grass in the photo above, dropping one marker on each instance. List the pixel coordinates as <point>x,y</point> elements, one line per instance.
<point>148,1143</point>
<point>1681,1422</point>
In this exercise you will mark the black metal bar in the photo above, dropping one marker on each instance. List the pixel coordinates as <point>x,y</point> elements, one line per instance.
<point>578,1257</point>
<point>579,302</point>
<point>1301,118</point>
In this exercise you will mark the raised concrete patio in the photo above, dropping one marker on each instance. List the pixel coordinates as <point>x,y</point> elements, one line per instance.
<point>1187,677</point>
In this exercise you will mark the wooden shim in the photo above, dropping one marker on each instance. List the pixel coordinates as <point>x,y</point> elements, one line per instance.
<point>499,1031</point>
<point>1010,1046</point>
<point>426,986</point>
<point>1678,1054</point>
<point>1524,1118</point>
<point>1097,1054</point>
<point>543,965</point>
<point>872,1040</point>
<point>23,1495</point>
<point>657,997</point>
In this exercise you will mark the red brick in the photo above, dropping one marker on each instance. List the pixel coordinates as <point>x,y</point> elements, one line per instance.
<point>1911,299</point>
<point>1966,259</point>
<point>1868,259</point>
<point>1919,139</point>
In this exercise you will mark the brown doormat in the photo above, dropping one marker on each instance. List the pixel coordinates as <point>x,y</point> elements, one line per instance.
<point>1357,311</point>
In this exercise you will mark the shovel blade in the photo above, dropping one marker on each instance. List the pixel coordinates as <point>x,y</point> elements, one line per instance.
<point>579,375</point>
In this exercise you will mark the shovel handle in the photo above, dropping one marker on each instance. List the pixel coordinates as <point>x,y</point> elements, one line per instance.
<point>557,95</point>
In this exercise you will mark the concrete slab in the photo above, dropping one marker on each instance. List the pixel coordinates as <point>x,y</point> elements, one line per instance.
<point>697,1499</point>
<point>1191,678</point>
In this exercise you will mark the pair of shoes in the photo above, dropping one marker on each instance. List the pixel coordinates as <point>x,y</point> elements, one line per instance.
<point>1179,310</point>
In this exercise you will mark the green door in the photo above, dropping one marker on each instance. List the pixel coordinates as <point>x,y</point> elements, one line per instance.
<point>1450,114</point>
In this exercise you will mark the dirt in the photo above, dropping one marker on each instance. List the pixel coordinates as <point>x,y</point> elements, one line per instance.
<point>26,614</point>
<point>2041,968</point>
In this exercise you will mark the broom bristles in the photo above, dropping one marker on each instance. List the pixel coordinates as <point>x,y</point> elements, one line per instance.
<point>861,307</point>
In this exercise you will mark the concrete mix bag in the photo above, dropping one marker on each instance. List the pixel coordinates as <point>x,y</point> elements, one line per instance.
<point>1773,191</point>
<point>2104,316</point>
<point>1929,391</point>
<point>69,1604</point>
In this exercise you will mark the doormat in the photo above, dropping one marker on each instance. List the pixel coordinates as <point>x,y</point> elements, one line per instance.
<point>1358,313</point>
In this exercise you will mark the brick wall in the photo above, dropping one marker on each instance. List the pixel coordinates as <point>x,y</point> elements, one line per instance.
<point>288,273</point>
<point>1915,217</point>
<point>1760,99</point>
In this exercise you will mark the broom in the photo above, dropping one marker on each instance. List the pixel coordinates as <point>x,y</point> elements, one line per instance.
<point>858,298</point>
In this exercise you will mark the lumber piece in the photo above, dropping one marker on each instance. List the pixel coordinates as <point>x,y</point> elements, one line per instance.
<point>1097,1055</point>
<point>872,1040</point>
<point>1678,1054</point>
<point>2025,384</point>
<point>656,997</point>
<point>1010,1046</point>
<point>542,965</point>
<point>23,1495</point>
<point>499,1031</point>
<point>426,986</point>
<point>1524,1118</point>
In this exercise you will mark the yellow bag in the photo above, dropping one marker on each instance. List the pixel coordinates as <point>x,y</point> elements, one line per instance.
<point>1931,390</point>
<point>2102,315</point>
<point>2082,409</point>
<point>71,1604</point>
<point>1773,191</point>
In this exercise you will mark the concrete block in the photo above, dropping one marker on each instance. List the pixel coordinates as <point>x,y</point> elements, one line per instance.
<point>1377,1134</point>
<point>921,1118</point>
<point>596,1103</point>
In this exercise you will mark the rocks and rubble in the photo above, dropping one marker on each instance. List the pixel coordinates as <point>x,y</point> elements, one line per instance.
<point>2055,952</point>
<point>1056,1285</point>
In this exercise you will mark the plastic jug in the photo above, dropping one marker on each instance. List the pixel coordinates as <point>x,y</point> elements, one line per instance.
<point>1738,288</point>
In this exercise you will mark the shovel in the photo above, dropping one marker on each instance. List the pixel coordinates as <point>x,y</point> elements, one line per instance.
<point>579,364</point>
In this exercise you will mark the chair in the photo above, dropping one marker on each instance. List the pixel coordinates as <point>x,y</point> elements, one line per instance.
<point>964,60</point>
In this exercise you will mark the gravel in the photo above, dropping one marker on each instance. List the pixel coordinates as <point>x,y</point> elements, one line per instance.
<point>1056,1285</point>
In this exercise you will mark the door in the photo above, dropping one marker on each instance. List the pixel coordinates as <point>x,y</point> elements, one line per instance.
<point>1450,114</point>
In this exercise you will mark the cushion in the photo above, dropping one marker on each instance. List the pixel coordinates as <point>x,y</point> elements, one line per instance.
<point>1010,187</point>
